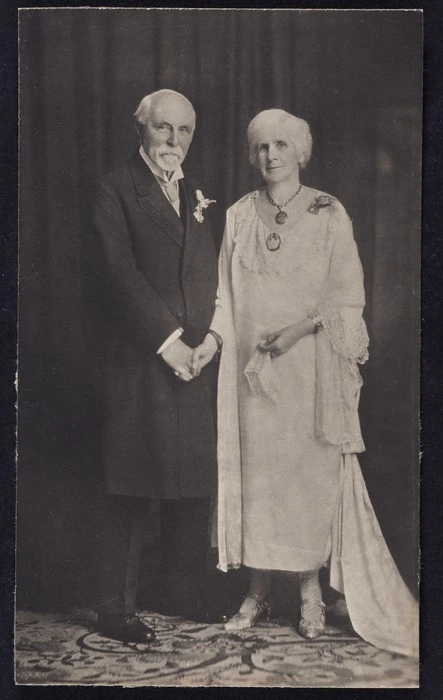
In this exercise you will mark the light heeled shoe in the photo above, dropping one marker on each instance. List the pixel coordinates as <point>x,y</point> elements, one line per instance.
<point>313,618</point>
<point>243,620</point>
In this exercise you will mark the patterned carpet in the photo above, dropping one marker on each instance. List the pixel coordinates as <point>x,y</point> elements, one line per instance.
<point>51,649</point>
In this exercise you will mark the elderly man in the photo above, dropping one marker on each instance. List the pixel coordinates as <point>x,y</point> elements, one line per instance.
<point>158,276</point>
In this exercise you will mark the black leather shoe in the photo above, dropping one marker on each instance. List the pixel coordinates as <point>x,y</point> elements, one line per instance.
<point>125,628</point>
<point>195,611</point>
<point>205,615</point>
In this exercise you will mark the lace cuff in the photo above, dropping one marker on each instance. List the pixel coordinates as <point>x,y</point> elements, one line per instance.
<point>346,331</point>
<point>338,384</point>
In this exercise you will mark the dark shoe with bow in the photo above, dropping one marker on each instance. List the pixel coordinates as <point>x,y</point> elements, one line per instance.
<point>125,628</point>
<point>205,614</point>
<point>197,610</point>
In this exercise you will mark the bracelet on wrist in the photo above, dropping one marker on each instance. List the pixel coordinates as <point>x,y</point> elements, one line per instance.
<point>217,337</point>
<point>316,320</point>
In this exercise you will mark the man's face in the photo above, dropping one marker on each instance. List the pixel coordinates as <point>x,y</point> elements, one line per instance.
<point>168,132</point>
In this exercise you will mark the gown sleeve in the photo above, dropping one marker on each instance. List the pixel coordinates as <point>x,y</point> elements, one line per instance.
<point>344,298</point>
<point>343,342</point>
<point>222,305</point>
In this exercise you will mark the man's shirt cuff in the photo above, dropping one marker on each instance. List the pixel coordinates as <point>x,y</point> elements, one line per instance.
<point>176,334</point>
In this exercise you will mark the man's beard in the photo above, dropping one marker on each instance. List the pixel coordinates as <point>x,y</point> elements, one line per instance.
<point>170,159</point>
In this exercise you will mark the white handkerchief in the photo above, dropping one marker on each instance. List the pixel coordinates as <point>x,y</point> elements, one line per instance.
<point>261,377</point>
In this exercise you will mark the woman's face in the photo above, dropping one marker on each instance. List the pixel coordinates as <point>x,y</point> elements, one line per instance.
<point>277,157</point>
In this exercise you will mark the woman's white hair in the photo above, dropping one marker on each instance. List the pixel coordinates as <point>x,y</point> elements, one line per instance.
<point>296,129</point>
<point>143,111</point>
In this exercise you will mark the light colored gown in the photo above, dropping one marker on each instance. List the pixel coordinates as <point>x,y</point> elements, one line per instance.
<point>288,426</point>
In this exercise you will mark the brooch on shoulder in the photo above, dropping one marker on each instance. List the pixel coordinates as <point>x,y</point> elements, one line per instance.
<point>321,201</point>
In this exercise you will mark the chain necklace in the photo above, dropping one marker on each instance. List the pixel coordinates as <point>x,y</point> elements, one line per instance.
<point>281,217</point>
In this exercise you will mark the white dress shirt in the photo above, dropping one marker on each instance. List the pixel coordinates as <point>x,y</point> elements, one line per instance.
<point>163,180</point>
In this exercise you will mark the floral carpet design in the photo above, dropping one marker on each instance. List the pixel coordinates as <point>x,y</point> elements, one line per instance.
<point>57,650</point>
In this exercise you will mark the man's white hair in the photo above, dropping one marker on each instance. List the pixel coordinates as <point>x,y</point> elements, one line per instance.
<point>145,107</point>
<point>297,130</point>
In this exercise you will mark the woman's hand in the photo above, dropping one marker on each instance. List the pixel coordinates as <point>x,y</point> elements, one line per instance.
<point>203,354</point>
<point>281,341</point>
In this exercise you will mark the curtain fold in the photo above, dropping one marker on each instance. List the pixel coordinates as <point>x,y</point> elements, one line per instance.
<point>82,74</point>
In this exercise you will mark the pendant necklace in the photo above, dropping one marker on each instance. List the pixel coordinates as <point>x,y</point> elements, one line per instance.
<point>273,241</point>
<point>281,217</point>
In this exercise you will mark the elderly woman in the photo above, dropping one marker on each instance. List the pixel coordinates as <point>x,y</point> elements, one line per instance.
<point>289,319</point>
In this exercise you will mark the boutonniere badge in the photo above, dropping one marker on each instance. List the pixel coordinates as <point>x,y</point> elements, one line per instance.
<point>321,201</point>
<point>202,203</point>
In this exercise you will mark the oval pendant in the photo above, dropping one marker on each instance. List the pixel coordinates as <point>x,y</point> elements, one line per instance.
<point>273,242</point>
<point>281,217</point>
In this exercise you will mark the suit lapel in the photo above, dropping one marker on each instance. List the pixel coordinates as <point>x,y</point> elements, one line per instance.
<point>153,201</point>
<point>191,224</point>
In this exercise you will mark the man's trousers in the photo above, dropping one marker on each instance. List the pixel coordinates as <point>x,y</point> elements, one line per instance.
<point>184,542</point>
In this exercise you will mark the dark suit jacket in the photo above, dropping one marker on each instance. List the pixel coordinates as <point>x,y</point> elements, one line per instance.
<point>154,272</point>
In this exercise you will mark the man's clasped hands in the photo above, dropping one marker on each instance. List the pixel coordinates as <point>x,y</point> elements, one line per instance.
<point>187,362</point>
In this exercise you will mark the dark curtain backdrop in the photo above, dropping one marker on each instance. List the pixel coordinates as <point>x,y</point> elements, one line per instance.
<point>355,77</point>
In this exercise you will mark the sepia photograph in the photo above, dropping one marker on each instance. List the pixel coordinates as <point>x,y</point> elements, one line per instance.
<point>218,438</point>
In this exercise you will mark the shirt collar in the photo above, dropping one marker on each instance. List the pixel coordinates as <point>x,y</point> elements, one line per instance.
<point>159,173</point>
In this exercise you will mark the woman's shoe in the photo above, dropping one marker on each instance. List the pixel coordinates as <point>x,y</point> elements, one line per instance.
<point>243,620</point>
<point>312,623</point>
